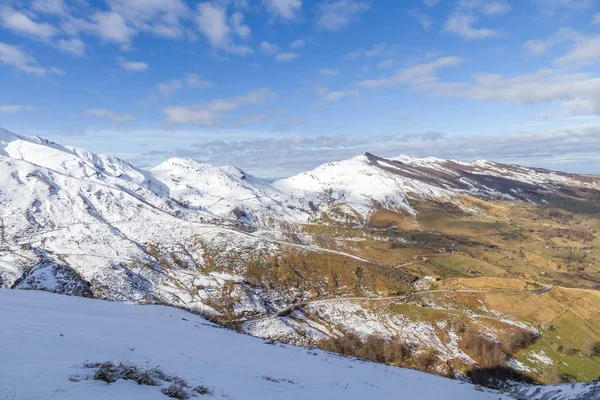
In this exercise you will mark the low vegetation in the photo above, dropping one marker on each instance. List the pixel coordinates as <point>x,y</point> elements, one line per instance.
<point>172,386</point>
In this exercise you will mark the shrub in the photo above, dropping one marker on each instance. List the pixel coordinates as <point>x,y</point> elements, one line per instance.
<point>591,348</point>
<point>176,391</point>
<point>425,360</point>
<point>485,351</point>
<point>201,389</point>
<point>178,388</point>
<point>373,348</point>
<point>516,339</point>
<point>107,372</point>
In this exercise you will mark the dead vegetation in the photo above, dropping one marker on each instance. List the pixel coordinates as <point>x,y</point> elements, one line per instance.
<point>382,350</point>
<point>177,388</point>
<point>492,355</point>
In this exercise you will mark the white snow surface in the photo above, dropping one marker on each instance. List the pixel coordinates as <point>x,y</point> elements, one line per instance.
<point>46,338</point>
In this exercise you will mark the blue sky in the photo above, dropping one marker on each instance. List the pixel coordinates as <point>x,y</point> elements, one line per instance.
<point>280,86</point>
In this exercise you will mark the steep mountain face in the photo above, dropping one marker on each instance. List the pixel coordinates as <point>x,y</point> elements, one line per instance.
<point>302,259</point>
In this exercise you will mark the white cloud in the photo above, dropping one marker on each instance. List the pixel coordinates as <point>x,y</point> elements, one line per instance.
<point>425,20</point>
<point>174,85</point>
<point>296,44</point>
<point>328,96</point>
<point>463,25</point>
<point>419,75</point>
<point>50,7</point>
<point>291,123</point>
<point>550,7</point>
<point>285,57</point>
<point>73,46</point>
<point>212,23</point>
<point>15,108</point>
<point>540,47</point>
<point>378,50</point>
<point>17,58</point>
<point>212,113</point>
<point>328,72</point>
<point>111,26</point>
<point>485,7</point>
<point>284,9</point>
<point>22,24</point>
<point>300,152</point>
<point>269,48</point>
<point>584,51</point>
<point>251,119</point>
<point>117,119</point>
<point>273,49</point>
<point>596,19</point>
<point>431,3</point>
<point>576,92</point>
<point>170,87</point>
<point>132,65</point>
<point>388,63</point>
<point>334,15</point>
<point>238,26</point>
<point>159,17</point>
<point>195,81</point>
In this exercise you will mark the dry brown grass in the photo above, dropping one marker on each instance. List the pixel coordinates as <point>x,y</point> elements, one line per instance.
<point>383,218</point>
<point>516,285</point>
<point>325,274</point>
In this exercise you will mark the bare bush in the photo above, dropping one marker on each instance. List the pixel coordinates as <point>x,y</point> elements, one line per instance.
<point>516,339</point>
<point>176,391</point>
<point>374,348</point>
<point>485,351</point>
<point>426,360</point>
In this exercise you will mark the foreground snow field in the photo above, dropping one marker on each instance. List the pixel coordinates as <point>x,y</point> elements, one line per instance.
<point>46,338</point>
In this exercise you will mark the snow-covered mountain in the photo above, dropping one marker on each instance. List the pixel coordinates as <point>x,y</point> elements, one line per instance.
<point>362,184</point>
<point>103,218</point>
<point>221,242</point>
<point>227,192</point>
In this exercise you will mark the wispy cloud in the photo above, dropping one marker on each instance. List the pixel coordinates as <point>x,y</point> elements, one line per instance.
<point>21,60</point>
<point>22,24</point>
<point>212,113</point>
<point>467,13</point>
<point>284,9</point>
<point>214,25</point>
<point>335,15</point>
<point>328,72</point>
<point>294,154</point>
<point>132,65</point>
<point>117,119</point>
<point>15,108</point>
<point>189,81</point>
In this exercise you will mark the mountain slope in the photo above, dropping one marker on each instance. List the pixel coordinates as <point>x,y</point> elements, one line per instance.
<point>49,338</point>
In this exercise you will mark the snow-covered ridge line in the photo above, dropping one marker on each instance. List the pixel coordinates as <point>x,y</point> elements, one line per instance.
<point>351,188</point>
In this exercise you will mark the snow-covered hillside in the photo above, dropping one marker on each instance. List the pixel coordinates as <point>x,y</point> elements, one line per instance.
<point>47,339</point>
<point>226,191</point>
<point>358,186</point>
